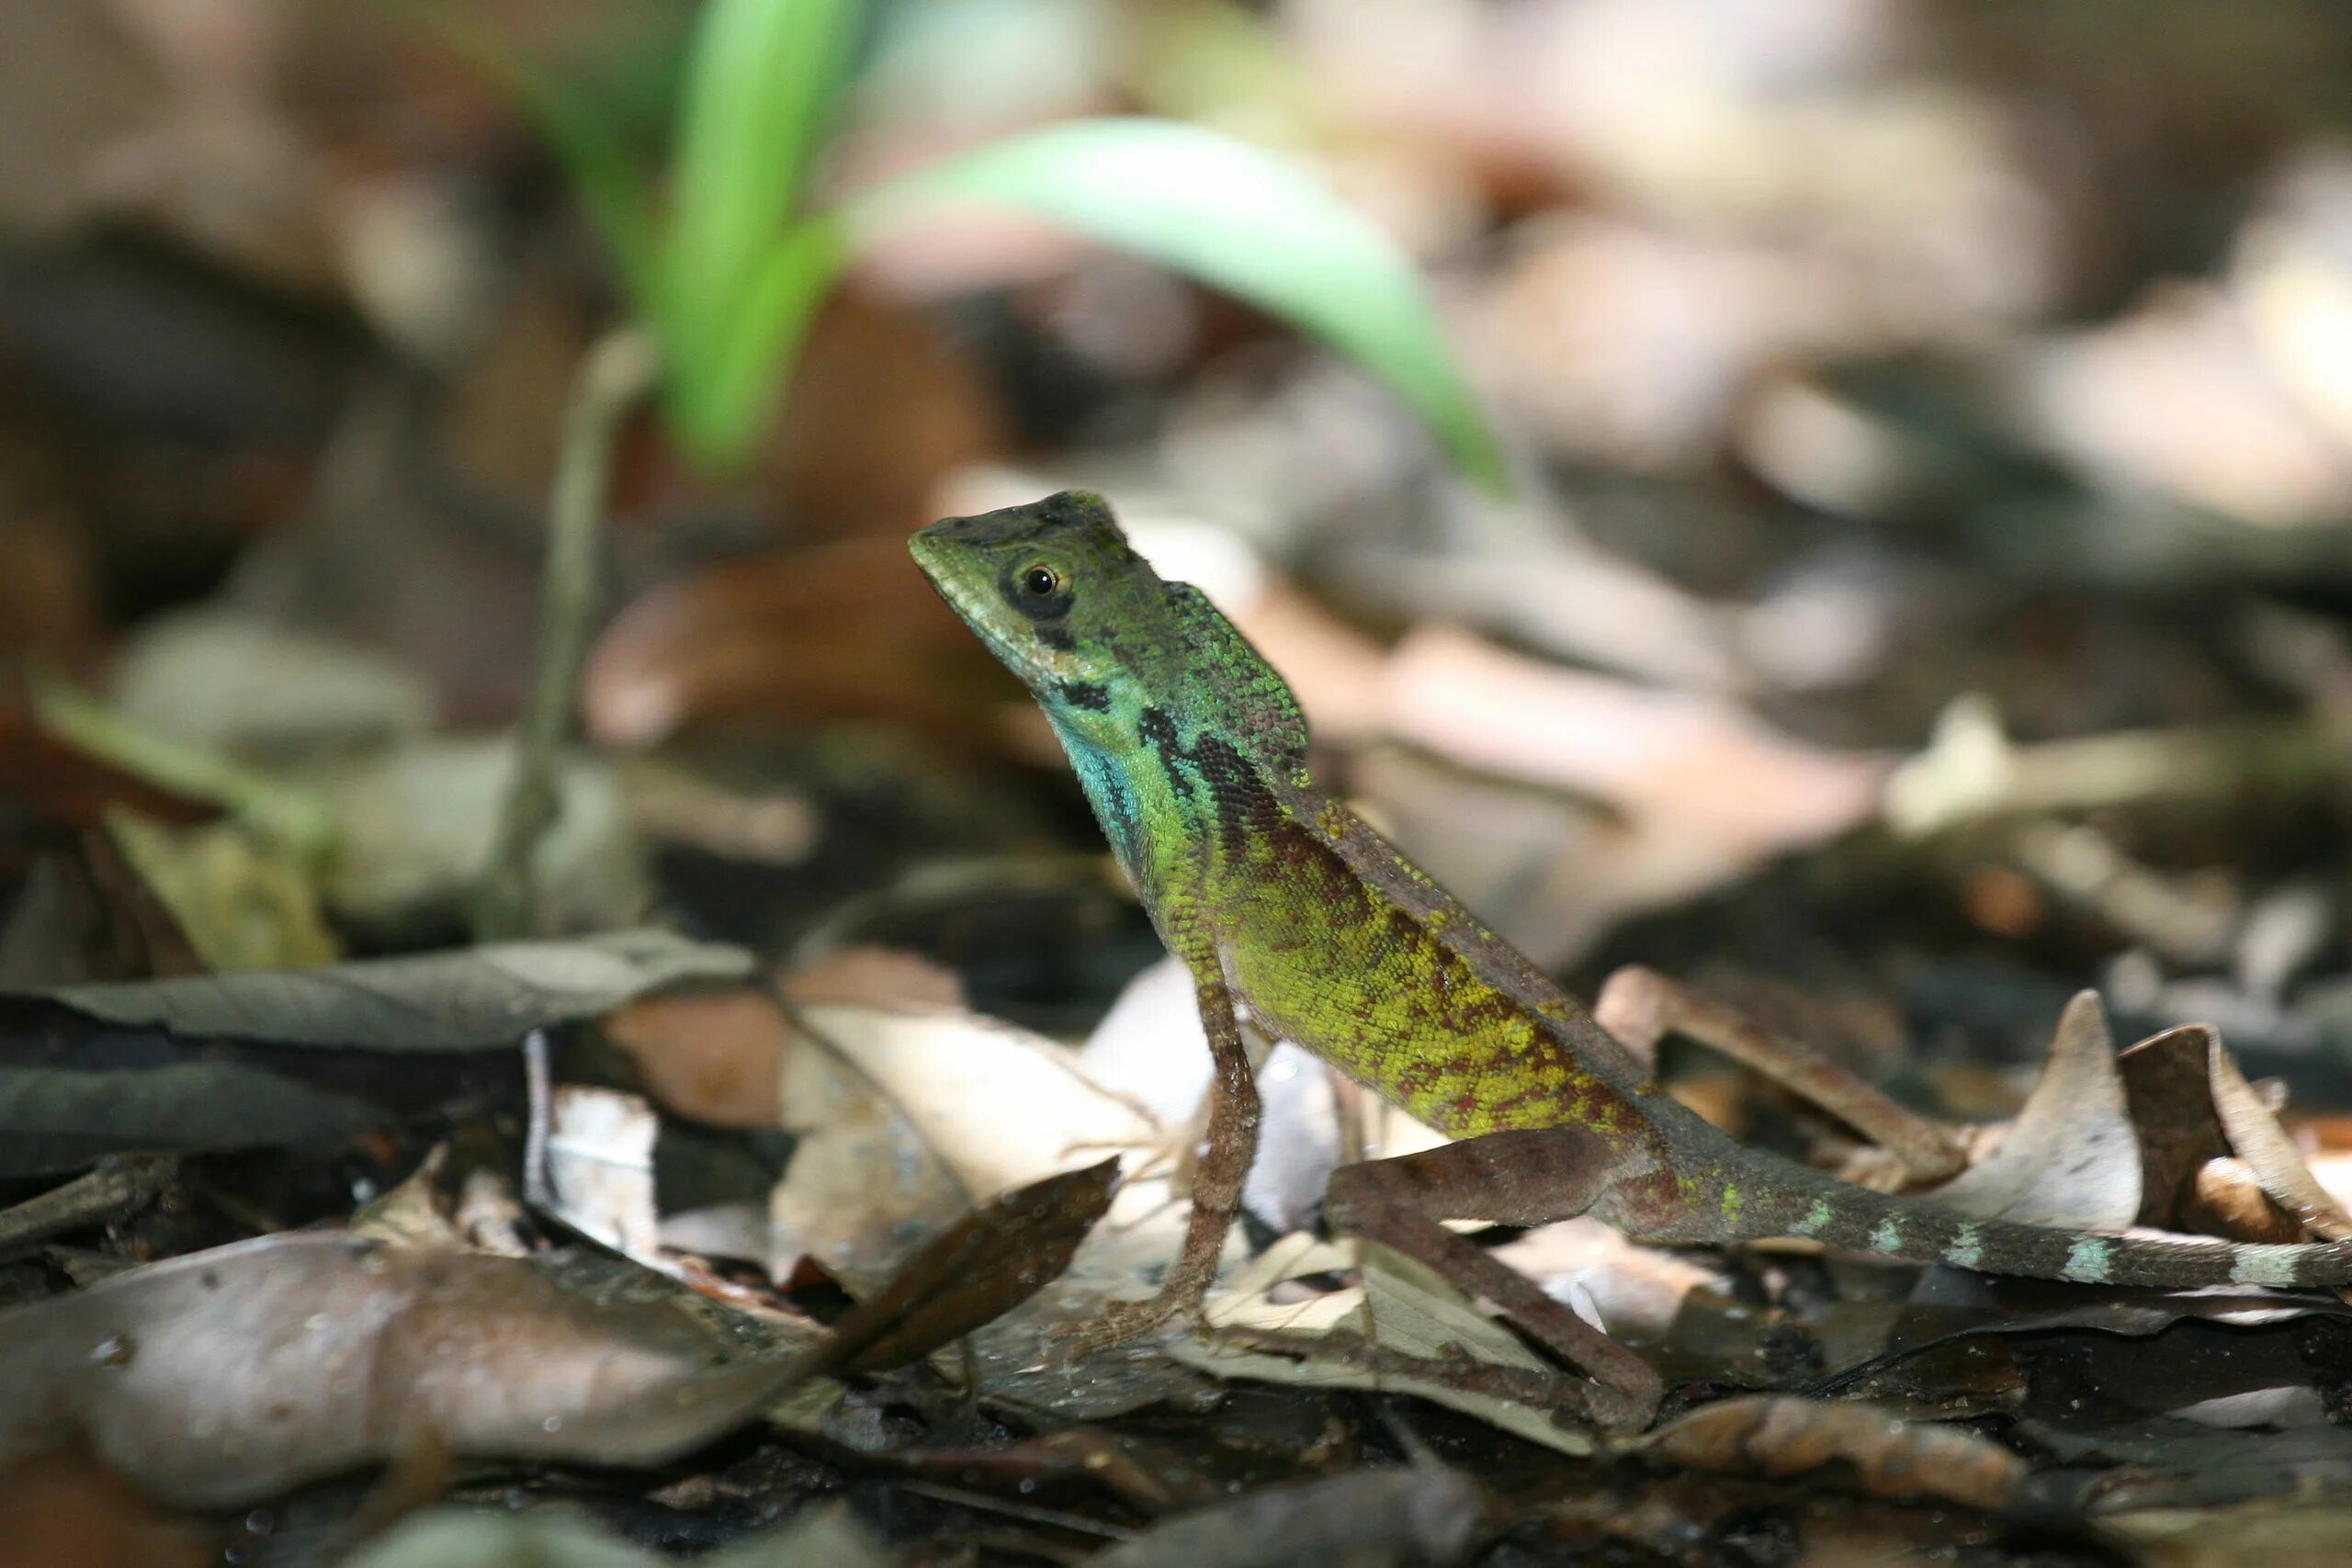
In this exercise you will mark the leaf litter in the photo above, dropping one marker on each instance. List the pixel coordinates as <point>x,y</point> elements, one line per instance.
<point>1896,605</point>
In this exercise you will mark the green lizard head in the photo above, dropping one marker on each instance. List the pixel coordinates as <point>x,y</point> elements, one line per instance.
<point>1055,590</point>
<point>1111,650</point>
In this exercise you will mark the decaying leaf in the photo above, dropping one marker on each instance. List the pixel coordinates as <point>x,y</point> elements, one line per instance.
<point>233,1374</point>
<point>2282,1533</point>
<point>2270,1153</point>
<point>1640,1007</point>
<point>1401,1310</point>
<point>908,1119</point>
<point>1658,756</point>
<point>1026,1357</point>
<point>465,999</point>
<point>2168,1080</point>
<point>2071,1158</point>
<point>2227,1198</point>
<point>878,977</point>
<point>971,1274</point>
<point>1778,1436</point>
<point>413,825</point>
<point>1638,1291</point>
<point>246,900</point>
<point>1365,1519</point>
<point>599,1167</point>
<point>231,679</point>
<point>713,1055</point>
<point>54,1119</point>
<point>552,1538</point>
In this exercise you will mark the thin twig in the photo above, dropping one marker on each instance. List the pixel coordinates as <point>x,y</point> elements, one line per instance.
<point>119,1184</point>
<point>617,372</point>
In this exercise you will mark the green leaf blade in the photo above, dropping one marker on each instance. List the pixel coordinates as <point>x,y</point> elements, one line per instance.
<point>1234,216</point>
<point>761,78</point>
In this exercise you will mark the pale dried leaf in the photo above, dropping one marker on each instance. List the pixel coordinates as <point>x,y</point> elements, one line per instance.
<point>1401,1307</point>
<point>413,825</point>
<point>824,1537</point>
<point>908,1119</point>
<point>600,1168</point>
<point>2071,1160</point>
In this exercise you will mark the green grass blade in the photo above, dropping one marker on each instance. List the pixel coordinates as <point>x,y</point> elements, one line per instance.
<point>607,178</point>
<point>1236,218</point>
<point>719,415</point>
<point>761,78</point>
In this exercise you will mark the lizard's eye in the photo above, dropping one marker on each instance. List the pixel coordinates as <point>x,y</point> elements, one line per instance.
<point>1041,581</point>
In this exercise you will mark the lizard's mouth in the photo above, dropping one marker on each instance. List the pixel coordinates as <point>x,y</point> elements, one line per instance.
<point>958,575</point>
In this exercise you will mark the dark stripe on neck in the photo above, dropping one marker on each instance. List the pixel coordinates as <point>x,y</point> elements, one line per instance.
<point>1158,732</point>
<point>1086,695</point>
<point>1239,797</point>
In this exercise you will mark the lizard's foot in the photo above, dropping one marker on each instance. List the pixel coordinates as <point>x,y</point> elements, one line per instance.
<point>1125,1321</point>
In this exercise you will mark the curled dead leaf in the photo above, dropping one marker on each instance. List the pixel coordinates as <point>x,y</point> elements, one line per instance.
<point>2227,1198</point>
<point>2270,1153</point>
<point>970,1274</point>
<point>1422,1515</point>
<point>1780,1436</point>
<point>233,1374</point>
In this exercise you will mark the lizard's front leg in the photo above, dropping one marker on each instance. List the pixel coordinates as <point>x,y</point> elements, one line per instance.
<point>1521,1178</point>
<point>1218,1176</point>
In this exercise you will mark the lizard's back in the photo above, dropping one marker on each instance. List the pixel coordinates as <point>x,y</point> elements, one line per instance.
<point>1322,961</point>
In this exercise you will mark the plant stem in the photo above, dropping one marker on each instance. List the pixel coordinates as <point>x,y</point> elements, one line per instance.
<point>617,371</point>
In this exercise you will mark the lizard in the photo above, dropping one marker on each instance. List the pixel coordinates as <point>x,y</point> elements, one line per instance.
<point>1284,905</point>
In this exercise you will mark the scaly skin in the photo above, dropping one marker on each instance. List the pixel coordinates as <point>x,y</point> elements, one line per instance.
<point>1282,903</point>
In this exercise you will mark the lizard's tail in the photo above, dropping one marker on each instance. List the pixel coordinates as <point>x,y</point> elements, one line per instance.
<point>1918,1231</point>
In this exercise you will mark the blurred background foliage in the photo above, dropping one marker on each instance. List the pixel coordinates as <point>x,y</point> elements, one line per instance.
<point>1849,358</point>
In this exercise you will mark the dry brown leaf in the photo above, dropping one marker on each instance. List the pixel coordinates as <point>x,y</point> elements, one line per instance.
<point>971,1274</point>
<point>233,1374</point>
<point>2227,1200</point>
<point>2168,1084</point>
<point>1366,1518</point>
<point>714,1056</point>
<point>1781,1436</point>
<point>787,642</point>
<point>2301,1533</point>
<point>878,977</point>
<point>1640,1007</point>
<point>67,1510</point>
<point>1653,754</point>
<point>2175,397</point>
<point>2270,1153</point>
